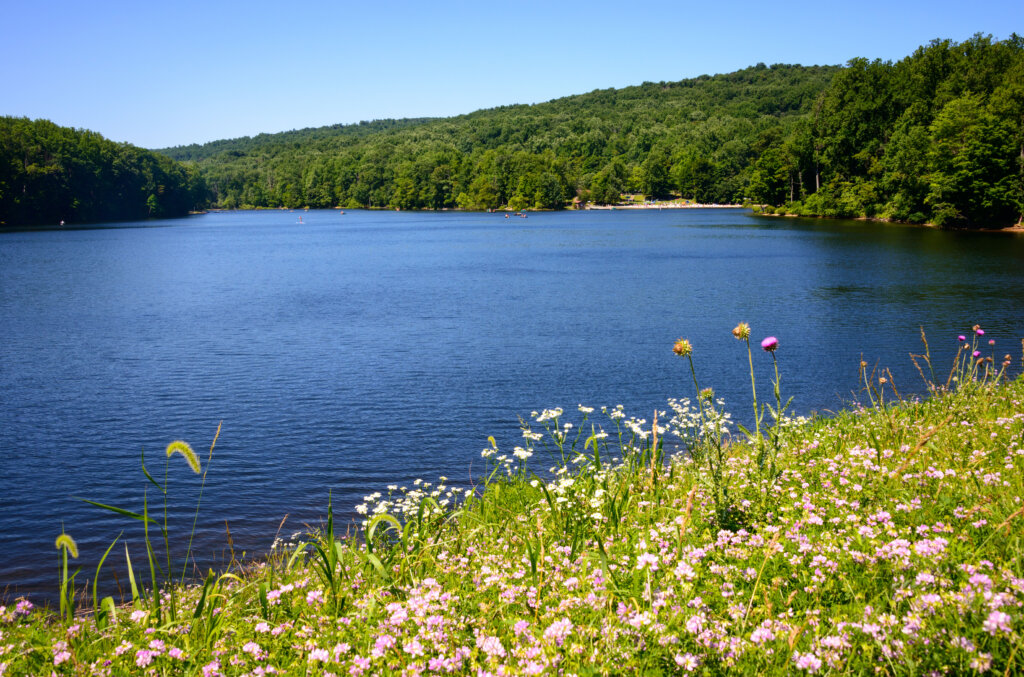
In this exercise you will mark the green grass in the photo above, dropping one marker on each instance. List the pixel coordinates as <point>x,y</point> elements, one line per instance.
<point>883,540</point>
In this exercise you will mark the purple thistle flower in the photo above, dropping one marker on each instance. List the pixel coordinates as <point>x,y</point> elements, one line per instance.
<point>770,344</point>
<point>977,353</point>
<point>981,332</point>
<point>961,338</point>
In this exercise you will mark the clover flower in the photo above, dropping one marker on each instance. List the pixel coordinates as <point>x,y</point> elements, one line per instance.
<point>807,661</point>
<point>687,661</point>
<point>997,621</point>
<point>143,657</point>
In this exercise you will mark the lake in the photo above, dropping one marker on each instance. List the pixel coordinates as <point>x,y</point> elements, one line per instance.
<point>352,351</point>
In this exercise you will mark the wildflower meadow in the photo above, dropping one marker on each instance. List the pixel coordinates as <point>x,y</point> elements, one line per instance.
<point>882,540</point>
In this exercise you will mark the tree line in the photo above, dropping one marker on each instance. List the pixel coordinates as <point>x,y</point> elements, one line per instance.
<point>698,137</point>
<point>937,137</point>
<point>51,174</point>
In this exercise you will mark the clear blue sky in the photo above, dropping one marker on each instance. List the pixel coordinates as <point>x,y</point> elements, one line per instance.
<point>159,74</point>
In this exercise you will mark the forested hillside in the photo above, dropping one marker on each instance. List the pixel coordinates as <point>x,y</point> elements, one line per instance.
<point>937,137</point>
<point>50,174</point>
<point>698,136</point>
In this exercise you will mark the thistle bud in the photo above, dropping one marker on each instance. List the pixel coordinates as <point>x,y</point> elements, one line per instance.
<point>707,394</point>
<point>682,348</point>
<point>742,331</point>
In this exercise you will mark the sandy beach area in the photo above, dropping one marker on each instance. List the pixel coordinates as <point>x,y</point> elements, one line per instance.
<point>667,205</point>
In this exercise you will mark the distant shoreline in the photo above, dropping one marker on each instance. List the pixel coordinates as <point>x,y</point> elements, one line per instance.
<point>1015,228</point>
<point>669,205</point>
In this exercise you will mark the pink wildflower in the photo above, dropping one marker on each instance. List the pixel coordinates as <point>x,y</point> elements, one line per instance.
<point>359,666</point>
<point>490,646</point>
<point>319,655</point>
<point>770,344</point>
<point>696,623</point>
<point>997,621</point>
<point>383,643</point>
<point>647,559</point>
<point>558,631</point>
<point>807,661</point>
<point>143,657</point>
<point>687,661</point>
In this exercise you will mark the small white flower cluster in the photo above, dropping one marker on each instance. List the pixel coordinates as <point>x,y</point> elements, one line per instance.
<point>404,502</point>
<point>690,425</point>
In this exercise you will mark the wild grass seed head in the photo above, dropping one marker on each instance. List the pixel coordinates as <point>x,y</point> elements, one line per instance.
<point>180,447</point>
<point>65,541</point>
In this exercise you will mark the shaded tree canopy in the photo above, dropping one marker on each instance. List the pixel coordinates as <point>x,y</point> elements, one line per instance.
<point>937,137</point>
<point>50,174</point>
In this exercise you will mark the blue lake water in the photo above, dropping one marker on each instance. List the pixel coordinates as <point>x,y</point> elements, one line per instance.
<point>353,351</point>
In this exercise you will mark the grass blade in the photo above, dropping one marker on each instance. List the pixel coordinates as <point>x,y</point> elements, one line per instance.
<point>119,511</point>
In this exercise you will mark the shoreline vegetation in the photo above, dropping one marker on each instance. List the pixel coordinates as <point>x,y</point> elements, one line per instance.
<point>760,210</point>
<point>57,175</point>
<point>937,137</point>
<point>884,539</point>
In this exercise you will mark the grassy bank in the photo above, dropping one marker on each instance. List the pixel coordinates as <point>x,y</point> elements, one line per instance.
<point>883,540</point>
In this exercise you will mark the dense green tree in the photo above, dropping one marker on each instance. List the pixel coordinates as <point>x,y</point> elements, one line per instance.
<point>971,165</point>
<point>604,143</point>
<point>50,174</point>
<point>770,178</point>
<point>937,137</point>
<point>654,171</point>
